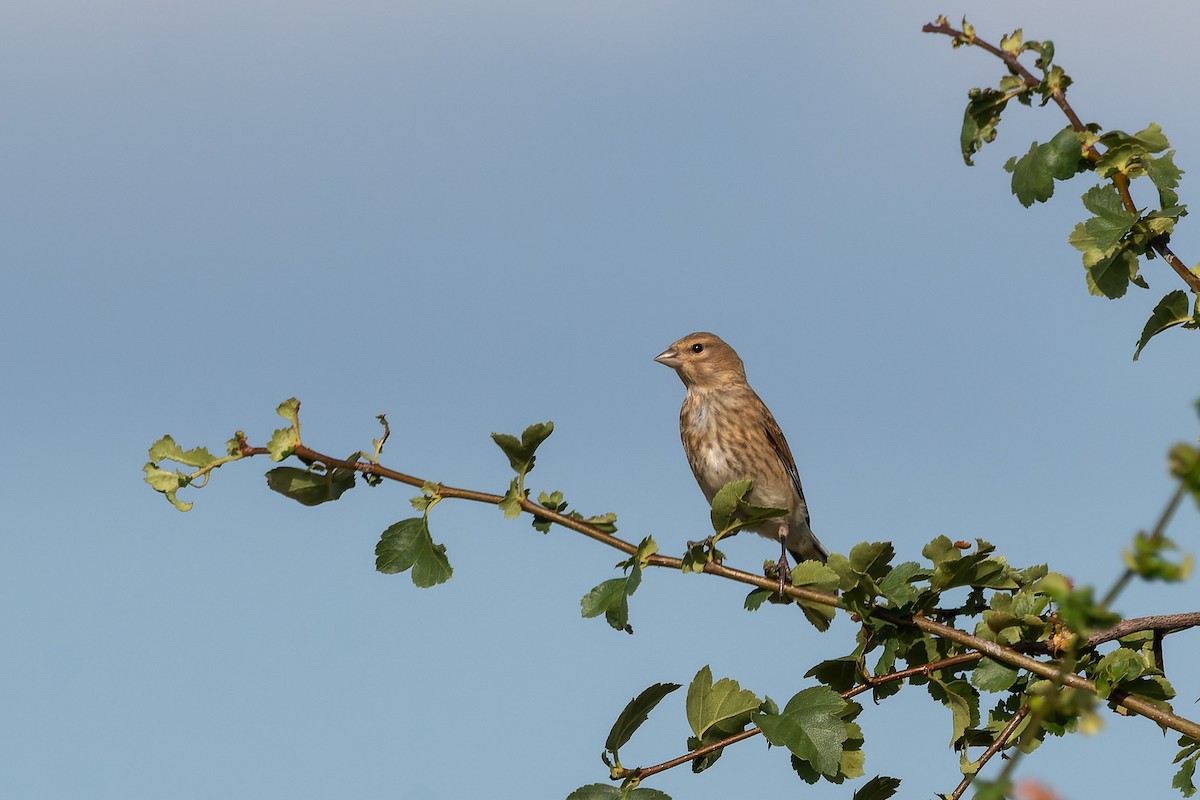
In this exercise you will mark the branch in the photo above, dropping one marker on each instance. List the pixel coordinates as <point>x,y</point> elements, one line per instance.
<point>995,747</point>
<point>983,646</point>
<point>1119,180</point>
<point>641,773</point>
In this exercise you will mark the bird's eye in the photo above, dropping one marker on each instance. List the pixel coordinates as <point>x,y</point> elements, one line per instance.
<point>697,348</point>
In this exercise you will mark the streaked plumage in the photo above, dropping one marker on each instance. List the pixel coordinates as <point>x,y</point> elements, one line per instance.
<point>729,434</point>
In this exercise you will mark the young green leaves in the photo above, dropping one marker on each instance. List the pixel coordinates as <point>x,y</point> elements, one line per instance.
<point>729,514</point>
<point>611,598</point>
<point>168,482</point>
<point>521,457</point>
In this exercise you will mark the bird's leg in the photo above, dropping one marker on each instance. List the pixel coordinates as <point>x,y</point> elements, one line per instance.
<point>782,565</point>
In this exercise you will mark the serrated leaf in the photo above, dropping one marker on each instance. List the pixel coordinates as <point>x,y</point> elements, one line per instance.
<point>168,483</point>
<point>724,705</point>
<point>756,598</point>
<point>603,791</point>
<point>818,576</point>
<point>962,700</point>
<point>1172,310</point>
<point>510,504</point>
<point>1187,757</point>
<point>521,451</point>
<point>839,674</point>
<point>993,676</point>
<point>289,409</point>
<point>165,449</point>
<point>1011,43</point>
<point>980,119</point>
<point>603,597</point>
<point>407,545</point>
<point>880,787</point>
<point>281,443</point>
<point>635,713</point>
<point>1165,175</point>
<point>1111,220</point>
<point>811,727</point>
<point>872,558</point>
<point>731,509</point>
<point>1109,276</point>
<point>897,586</point>
<point>310,488</point>
<point>1035,172</point>
<point>611,598</point>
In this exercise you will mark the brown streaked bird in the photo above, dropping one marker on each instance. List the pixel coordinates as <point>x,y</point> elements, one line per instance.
<point>729,434</point>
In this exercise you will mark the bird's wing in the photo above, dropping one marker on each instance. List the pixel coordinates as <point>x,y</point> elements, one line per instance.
<point>780,446</point>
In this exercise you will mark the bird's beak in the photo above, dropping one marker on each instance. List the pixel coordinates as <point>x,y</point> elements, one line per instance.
<point>669,358</point>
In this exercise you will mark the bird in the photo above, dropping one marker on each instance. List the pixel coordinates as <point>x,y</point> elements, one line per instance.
<point>729,434</point>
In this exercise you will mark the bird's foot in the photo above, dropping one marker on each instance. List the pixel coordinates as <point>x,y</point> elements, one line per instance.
<point>781,571</point>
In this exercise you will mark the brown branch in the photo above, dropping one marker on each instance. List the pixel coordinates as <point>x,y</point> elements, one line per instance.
<point>871,681</point>
<point>989,649</point>
<point>994,748</point>
<point>641,773</point>
<point>1119,180</point>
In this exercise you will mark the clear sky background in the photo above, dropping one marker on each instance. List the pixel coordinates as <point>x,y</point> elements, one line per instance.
<point>477,215</point>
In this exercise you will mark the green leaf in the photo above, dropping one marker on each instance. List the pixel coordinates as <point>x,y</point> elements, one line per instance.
<point>603,791</point>
<point>1165,175</point>
<point>811,727</point>
<point>603,597</point>
<point>1172,310</point>
<point>1148,560</point>
<point>282,442</point>
<point>521,451</point>
<point>611,599</point>
<point>984,107</point>
<point>310,488</point>
<point>818,576</point>
<point>756,598</point>
<point>408,545</point>
<point>1035,172</point>
<point>290,410</point>
<point>839,674</point>
<point>897,586</point>
<point>724,706</point>
<point>635,713</point>
<point>510,504</point>
<point>962,700</point>
<point>1184,462</point>
<point>730,509</point>
<point>993,676</point>
<point>1111,220</point>
<point>165,449</point>
<point>1109,275</point>
<point>168,483</point>
<point>880,787</point>
<point>1183,780</point>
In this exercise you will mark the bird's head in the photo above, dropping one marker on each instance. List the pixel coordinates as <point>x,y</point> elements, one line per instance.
<point>703,360</point>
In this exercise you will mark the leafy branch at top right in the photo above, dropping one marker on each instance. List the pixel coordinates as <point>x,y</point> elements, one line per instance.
<point>1119,233</point>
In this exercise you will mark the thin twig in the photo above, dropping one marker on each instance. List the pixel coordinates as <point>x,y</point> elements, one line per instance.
<point>1119,180</point>
<point>924,669</point>
<point>994,748</point>
<point>1159,531</point>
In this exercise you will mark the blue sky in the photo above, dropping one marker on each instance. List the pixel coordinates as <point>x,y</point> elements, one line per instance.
<point>473,216</point>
